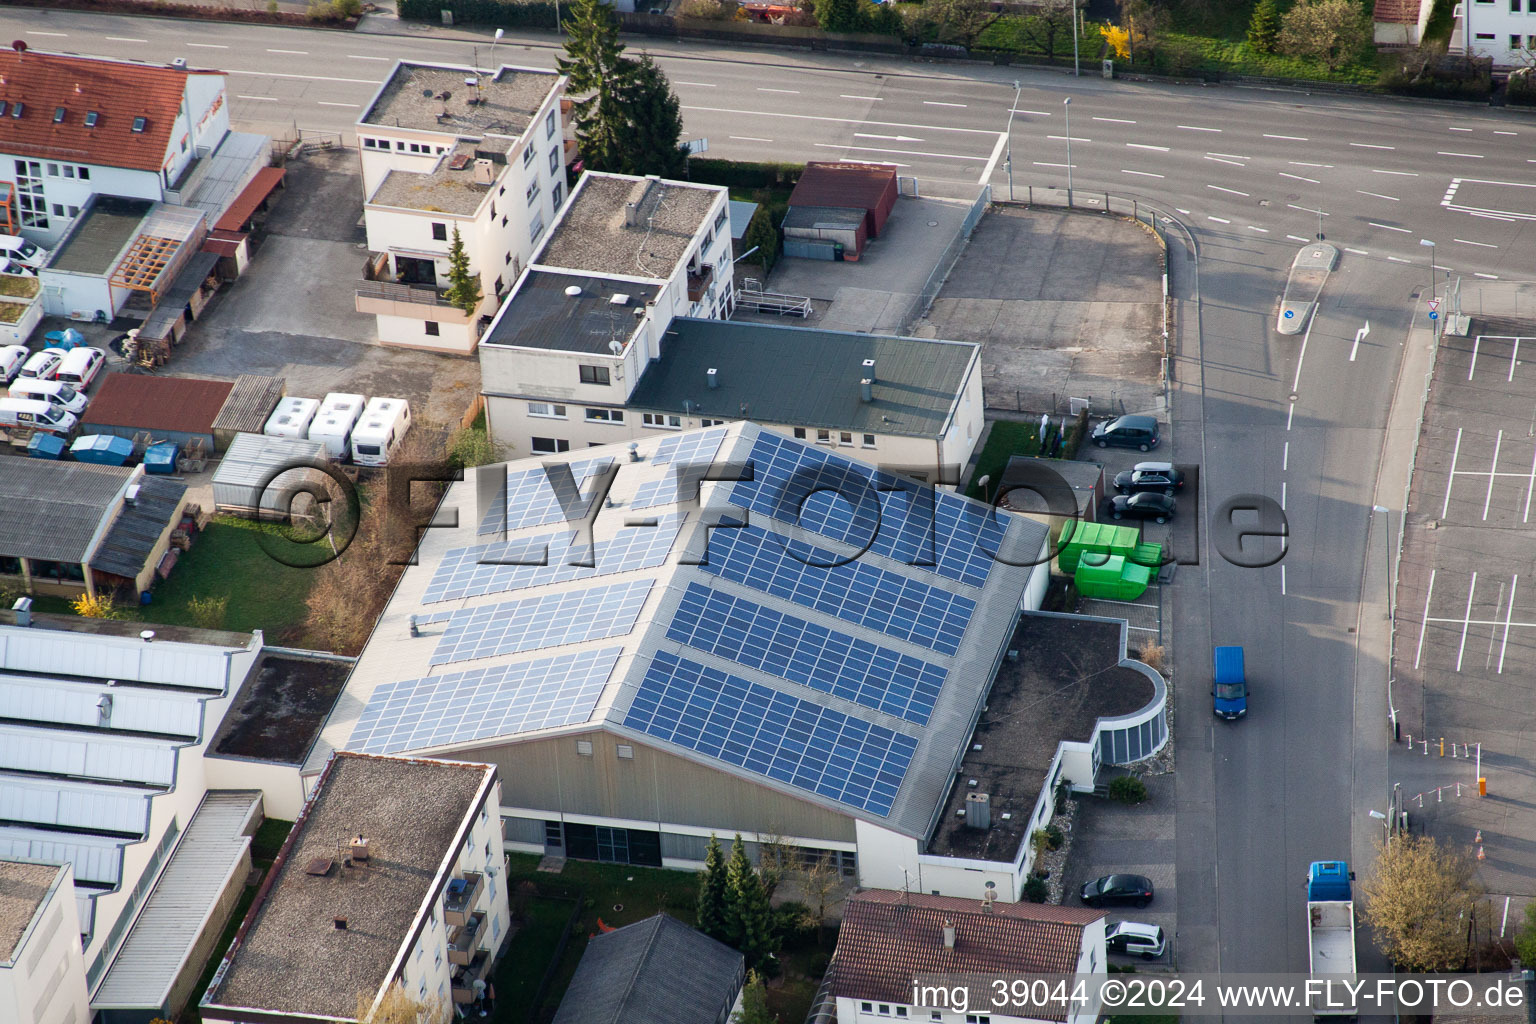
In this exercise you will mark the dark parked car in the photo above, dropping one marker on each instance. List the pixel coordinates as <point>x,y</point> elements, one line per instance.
<point>1146,505</point>
<point>1111,889</point>
<point>1127,432</point>
<point>1150,476</point>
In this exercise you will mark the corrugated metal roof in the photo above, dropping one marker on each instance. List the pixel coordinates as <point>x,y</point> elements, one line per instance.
<point>656,971</point>
<point>844,217</point>
<point>96,858</point>
<point>141,402</point>
<point>803,377</point>
<point>255,193</point>
<point>52,509</point>
<point>251,458</point>
<point>84,805</point>
<point>843,184</point>
<point>134,708</point>
<point>122,657</point>
<point>139,526</point>
<point>88,755</point>
<point>250,402</point>
<point>163,936</point>
<point>173,303</point>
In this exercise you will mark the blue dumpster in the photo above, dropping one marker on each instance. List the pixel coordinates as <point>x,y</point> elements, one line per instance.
<point>102,449</point>
<point>45,446</point>
<point>161,458</point>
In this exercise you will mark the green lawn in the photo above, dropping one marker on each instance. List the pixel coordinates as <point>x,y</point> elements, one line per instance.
<point>227,560</point>
<point>1006,440</point>
<point>518,975</point>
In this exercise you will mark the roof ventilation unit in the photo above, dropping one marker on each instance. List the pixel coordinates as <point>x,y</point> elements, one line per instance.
<point>867,390</point>
<point>869,369</point>
<point>23,610</point>
<point>713,376</point>
<point>619,299</point>
<point>978,807</point>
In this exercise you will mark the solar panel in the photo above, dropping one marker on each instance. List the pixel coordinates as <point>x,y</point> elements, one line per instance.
<point>499,700</point>
<point>548,620</point>
<point>857,505</point>
<point>771,733</point>
<point>694,446</point>
<point>530,499</point>
<point>857,592</point>
<point>497,568</point>
<point>807,653</point>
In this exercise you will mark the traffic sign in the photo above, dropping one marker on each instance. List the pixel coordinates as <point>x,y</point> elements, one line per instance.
<point>1290,313</point>
<point>1434,304</point>
<point>1433,315</point>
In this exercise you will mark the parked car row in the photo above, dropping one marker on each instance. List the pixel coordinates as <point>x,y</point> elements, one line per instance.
<point>367,431</point>
<point>46,388</point>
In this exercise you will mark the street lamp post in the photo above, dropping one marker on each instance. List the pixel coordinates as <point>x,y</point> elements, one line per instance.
<point>1076,71</point>
<point>1066,105</point>
<point>1431,244</point>
<point>1386,825</point>
<point>494,40</point>
<point>1008,159</point>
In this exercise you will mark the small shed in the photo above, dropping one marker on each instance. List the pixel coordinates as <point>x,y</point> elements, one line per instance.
<point>1038,488</point>
<point>868,188</point>
<point>825,232</point>
<point>251,478</point>
<point>247,408</point>
<point>167,408</point>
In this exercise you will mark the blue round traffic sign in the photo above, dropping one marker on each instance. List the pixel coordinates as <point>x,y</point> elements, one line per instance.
<point>1290,313</point>
<point>1433,315</point>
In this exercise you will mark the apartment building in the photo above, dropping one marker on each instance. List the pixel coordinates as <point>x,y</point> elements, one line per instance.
<point>72,127</point>
<point>1504,30</point>
<point>393,873</point>
<point>448,148</point>
<point>42,974</point>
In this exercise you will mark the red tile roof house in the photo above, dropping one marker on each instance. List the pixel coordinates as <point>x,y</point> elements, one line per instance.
<point>72,127</point>
<point>891,939</point>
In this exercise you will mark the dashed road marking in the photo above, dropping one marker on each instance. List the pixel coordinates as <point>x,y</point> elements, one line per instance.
<point>1143,145</point>
<point>1144,174</point>
<point>1367,145</point>
<point>1298,177</point>
<point>1234,191</point>
<point>1377,195</point>
<point>1389,227</point>
<point>1469,156</point>
<point>1288,138</point>
<point>1197,128</point>
<point>1114,120</point>
<point>1218,220</point>
<point>1482,245</point>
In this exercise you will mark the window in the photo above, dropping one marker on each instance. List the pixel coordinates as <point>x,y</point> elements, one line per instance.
<point>503,221</point>
<point>554,160</point>
<point>437,959</point>
<point>549,125</point>
<point>547,410</point>
<point>867,1007</point>
<point>2,108</point>
<point>536,228</point>
<point>432,329</point>
<point>556,193</point>
<point>420,950</point>
<point>1514,6</point>
<point>584,748</point>
<point>53,170</point>
<point>400,147</point>
<point>552,835</point>
<point>365,143</point>
<point>1514,41</point>
<point>844,437</point>
<point>527,155</point>
<point>605,416</point>
<point>440,231</point>
<point>800,433</point>
<point>593,374</point>
<point>977,1018</point>
<point>657,419</point>
<point>823,437</point>
<point>1485,35</point>
<point>500,284</point>
<point>1530,41</point>
<point>901,1011</point>
<point>625,750</point>
<point>422,988</point>
<point>711,423</point>
<point>493,210</point>
<point>20,106</point>
<point>550,445</point>
<point>533,191</point>
<point>495,928</point>
<point>58,114</point>
<point>720,220</point>
<point>869,440</point>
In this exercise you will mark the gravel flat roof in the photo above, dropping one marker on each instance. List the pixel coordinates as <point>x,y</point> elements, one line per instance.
<point>447,188</point>
<point>23,887</point>
<point>293,958</point>
<point>593,237</point>
<point>505,104</point>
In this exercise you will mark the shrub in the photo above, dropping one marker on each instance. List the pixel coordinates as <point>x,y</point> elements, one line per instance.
<point>341,10</point>
<point>472,446</point>
<point>1128,789</point>
<point>208,612</point>
<point>704,10</point>
<point>1054,837</point>
<point>529,13</point>
<point>742,173</point>
<point>1035,890</point>
<point>99,607</point>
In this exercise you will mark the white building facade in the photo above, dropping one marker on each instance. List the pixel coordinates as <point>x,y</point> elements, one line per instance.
<point>1504,30</point>
<point>483,155</point>
<point>42,976</point>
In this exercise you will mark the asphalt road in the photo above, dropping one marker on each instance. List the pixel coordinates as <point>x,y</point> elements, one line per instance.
<point>1245,172</point>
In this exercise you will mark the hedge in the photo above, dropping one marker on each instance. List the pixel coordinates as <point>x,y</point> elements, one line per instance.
<point>742,173</point>
<point>513,13</point>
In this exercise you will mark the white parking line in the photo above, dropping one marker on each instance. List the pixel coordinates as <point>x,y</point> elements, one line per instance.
<point>1230,163</point>
<point>1398,259</point>
<point>1298,177</point>
<point>364,56</point>
<point>1305,209</point>
<point>332,103</point>
<point>696,85</point>
<point>1450,479</point>
<point>870,99</point>
<point>1530,488</point>
<point>1063,138</point>
<point>1142,145</point>
<point>209,46</point>
<point>1218,220</point>
<point>1288,138</point>
<point>1220,188</point>
<point>1114,120</point>
<point>1472,366</point>
<point>790,92</point>
<point>1513,582</point>
<point>1357,252</point>
<point>1367,145</point>
<point>1488,277</point>
<point>1298,238</point>
<point>1466,621</point>
<point>1424,624</point>
<point>263,99</point>
<point>127,39</point>
<point>1389,227</point>
<point>747,138</point>
<point>1469,156</point>
<point>1039,164</point>
<point>296,53</point>
<point>1492,472</point>
<point>1196,128</point>
<point>1306,163</point>
<point>1514,354</point>
<point>1144,174</point>
<point>1481,245</point>
<point>1377,195</point>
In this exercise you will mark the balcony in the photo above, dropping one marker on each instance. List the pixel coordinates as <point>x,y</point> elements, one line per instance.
<point>463,940</point>
<point>465,977</point>
<point>460,899</point>
<point>698,283</point>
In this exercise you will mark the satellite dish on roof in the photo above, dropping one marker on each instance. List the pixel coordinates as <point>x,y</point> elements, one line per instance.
<point>20,46</point>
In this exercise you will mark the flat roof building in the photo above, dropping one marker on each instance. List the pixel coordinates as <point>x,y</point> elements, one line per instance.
<point>42,976</point>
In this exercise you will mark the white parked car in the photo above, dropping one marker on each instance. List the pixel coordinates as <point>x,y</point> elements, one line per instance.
<point>43,364</point>
<point>11,359</point>
<point>80,366</point>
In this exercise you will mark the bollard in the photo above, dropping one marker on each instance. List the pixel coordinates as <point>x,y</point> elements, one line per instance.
<point>1442,746</point>
<point>1482,786</point>
<point>1454,755</point>
<point>1458,789</point>
<point>1439,794</point>
<point>1410,741</point>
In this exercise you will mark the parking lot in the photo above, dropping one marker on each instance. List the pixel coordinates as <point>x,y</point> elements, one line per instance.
<point>1465,661</point>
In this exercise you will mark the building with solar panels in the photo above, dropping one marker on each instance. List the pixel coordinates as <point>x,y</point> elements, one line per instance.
<point>794,653</point>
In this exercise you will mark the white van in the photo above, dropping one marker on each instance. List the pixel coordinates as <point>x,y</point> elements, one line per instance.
<point>292,417</point>
<point>383,423</point>
<point>333,422</point>
<point>43,364</point>
<point>36,413</point>
<point>11,358</point>
<point>80,366</point>
<point>29,255</point>
<point>55,392</point>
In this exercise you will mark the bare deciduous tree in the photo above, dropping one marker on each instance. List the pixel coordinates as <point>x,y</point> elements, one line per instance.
<point>396,1006</point>
<point>1417,901</point>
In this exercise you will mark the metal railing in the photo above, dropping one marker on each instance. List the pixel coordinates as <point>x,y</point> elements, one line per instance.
<point>392,292</point>
<point>949,257</point>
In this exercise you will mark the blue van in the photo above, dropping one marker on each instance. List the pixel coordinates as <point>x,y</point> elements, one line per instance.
<point>1230,686</point>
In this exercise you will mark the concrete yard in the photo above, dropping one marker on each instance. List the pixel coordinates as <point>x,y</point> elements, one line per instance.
<point>1465,655</point>
<point>1065,305</point>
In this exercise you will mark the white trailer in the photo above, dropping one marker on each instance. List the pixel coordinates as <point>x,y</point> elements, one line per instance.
<point>1331,937</point>
<point>292,417</point>
<point>332,425</point>
<point>380,430</point>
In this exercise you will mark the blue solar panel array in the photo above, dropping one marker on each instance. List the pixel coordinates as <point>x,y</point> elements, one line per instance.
<point>530,498</point>
<point>547,620</point>
<point>806,653</point>
<point>855,592</point>
<point>497,568</point>
<point>692,447</point>
<point>793,483</point>
<point>772,734</point>
<point>500,700</point>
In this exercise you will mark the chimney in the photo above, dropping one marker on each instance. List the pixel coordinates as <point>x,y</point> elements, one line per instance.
<point>485,172</point>
<point>23,610</point>
<point>713,376</point>
<point>949,934</point>
<point>869,370</point>
<point>148,636</point>
<point>631,214</point>
<point>340,923</point>
<point>360,848</point>
<point>867,390</point>
<point>978,810</point>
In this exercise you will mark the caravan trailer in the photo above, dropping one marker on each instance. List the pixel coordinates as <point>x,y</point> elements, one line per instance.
<point>332,424</point>
<point>378,432</point>
<point>291,418</point>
